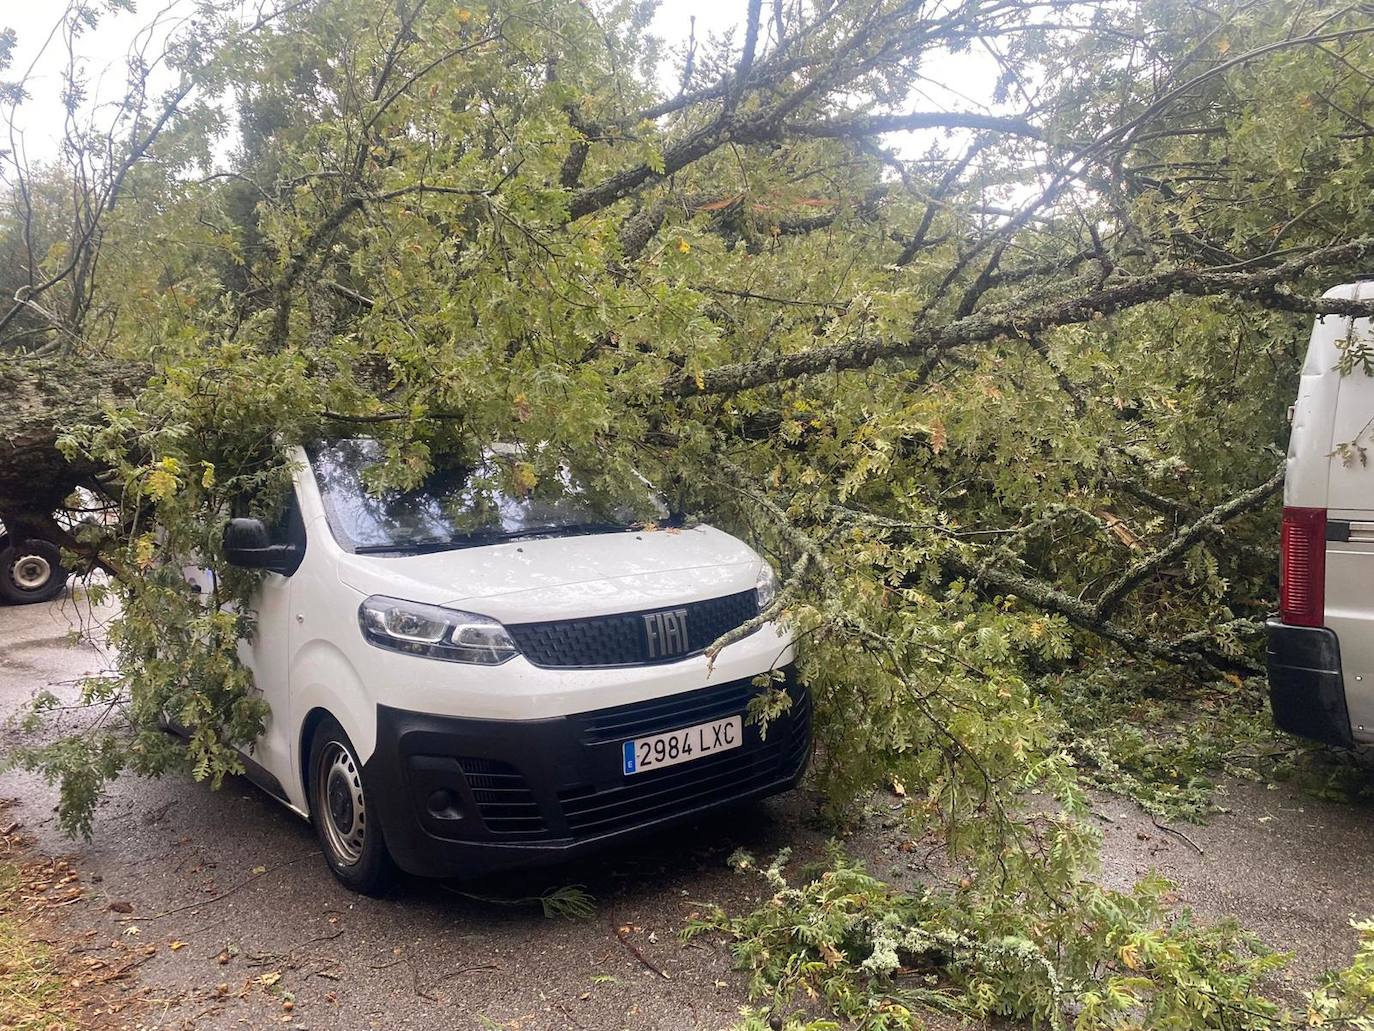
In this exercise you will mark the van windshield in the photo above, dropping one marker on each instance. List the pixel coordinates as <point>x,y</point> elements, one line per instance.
<point>461,507</point>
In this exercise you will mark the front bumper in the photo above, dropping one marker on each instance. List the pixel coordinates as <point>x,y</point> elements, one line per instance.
<point>1306,688</point>
<point>461,796</point>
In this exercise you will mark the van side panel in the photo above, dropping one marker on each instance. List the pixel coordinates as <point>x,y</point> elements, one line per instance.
<point>1309,442</point>
<point>1349,598</point>
<point>322,677</point>
<point>1350,532</point>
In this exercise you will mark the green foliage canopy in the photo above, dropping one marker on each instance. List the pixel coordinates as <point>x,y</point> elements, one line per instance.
<point>993,400</point>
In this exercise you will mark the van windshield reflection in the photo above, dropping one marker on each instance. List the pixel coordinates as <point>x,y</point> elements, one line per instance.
<point>460,507</point>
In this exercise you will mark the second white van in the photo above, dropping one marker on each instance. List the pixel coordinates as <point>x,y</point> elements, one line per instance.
<point>1321,646</point>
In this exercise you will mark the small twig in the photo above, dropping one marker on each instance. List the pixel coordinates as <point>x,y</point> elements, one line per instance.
<point>1170,830</point>
<point>222,895</point>
<point>569,1014</point>
<point>649,964</point>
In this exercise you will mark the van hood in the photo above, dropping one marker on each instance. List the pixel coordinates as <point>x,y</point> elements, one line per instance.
<point>563,577</point>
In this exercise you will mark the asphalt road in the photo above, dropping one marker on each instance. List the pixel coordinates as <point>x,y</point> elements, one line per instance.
<point>226,893</point>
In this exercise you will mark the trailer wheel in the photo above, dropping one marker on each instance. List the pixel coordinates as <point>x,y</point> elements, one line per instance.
<point>31,571</point>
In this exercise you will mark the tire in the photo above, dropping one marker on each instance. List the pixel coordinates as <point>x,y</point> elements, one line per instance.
<point>31,571</point>
<point>344,813</point>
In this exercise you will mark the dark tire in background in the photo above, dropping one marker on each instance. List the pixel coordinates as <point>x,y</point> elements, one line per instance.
<point>30,571</point>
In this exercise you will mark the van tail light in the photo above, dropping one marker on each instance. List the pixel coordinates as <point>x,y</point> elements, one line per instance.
<point>1302,578</point>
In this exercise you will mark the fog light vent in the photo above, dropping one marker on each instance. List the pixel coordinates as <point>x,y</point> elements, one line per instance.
<point>444,805</point>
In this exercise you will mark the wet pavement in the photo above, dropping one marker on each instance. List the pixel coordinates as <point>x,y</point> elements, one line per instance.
<point>244,927</point>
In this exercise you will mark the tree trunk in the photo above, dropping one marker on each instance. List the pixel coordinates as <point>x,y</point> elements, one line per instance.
<point>39,398</point>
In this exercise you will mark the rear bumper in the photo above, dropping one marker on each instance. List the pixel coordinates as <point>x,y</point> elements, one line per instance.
<point>462,797</point>
<point>1306,688</point>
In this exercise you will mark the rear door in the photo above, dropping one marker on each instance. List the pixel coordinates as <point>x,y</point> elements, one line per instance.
<point>1350,533</point>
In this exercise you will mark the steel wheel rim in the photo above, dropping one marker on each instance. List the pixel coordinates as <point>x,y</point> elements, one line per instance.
<point>31,572</point>
<point>339,796</point>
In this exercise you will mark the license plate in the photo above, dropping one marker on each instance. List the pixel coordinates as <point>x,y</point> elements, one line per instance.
<point>681,746</point>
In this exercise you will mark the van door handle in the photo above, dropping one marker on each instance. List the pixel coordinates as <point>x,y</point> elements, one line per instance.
<point>1362,532</point>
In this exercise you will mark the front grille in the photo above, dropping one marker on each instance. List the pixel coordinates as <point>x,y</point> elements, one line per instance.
<point>640,719</point>
<point>622,639</point>
<point>647,796</point>
<point>504,799</point>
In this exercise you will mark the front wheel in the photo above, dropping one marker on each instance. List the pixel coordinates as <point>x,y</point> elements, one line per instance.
<point>345,817</point>
<point>31,571</point>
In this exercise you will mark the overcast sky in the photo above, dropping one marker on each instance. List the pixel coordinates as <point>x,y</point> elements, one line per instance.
<point>103,53</point>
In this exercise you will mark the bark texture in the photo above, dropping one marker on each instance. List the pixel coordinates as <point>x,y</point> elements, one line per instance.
<point>38,398</point>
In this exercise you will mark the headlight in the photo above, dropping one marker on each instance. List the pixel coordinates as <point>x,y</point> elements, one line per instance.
<point>408,626</point>
<point>766,588</point>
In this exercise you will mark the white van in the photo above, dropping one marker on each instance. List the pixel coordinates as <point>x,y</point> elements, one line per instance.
<point>1321,648</point>
<point>462,680</point>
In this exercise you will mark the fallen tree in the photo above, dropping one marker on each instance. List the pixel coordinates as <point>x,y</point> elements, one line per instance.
<point>802,272</point>
<point>43,397</point>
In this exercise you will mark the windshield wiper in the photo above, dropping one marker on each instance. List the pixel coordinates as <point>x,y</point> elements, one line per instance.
<point>480,537</point>
<point>575,529</point>
<point>425,544</point>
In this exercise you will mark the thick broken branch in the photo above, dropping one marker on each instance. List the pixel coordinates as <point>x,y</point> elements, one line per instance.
<point>1019,321</point>
<point>766,128</point>
<point>43,396</point>
<point>1139,572</point>
<point>1082,614</point>
<point>1085,616</point>
<point>874,125</point>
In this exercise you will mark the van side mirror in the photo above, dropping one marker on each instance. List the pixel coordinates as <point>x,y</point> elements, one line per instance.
<point>248,546</point>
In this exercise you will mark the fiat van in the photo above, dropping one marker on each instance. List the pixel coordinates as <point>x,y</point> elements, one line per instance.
<point>1321,646</point>
<point>464,678</point>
